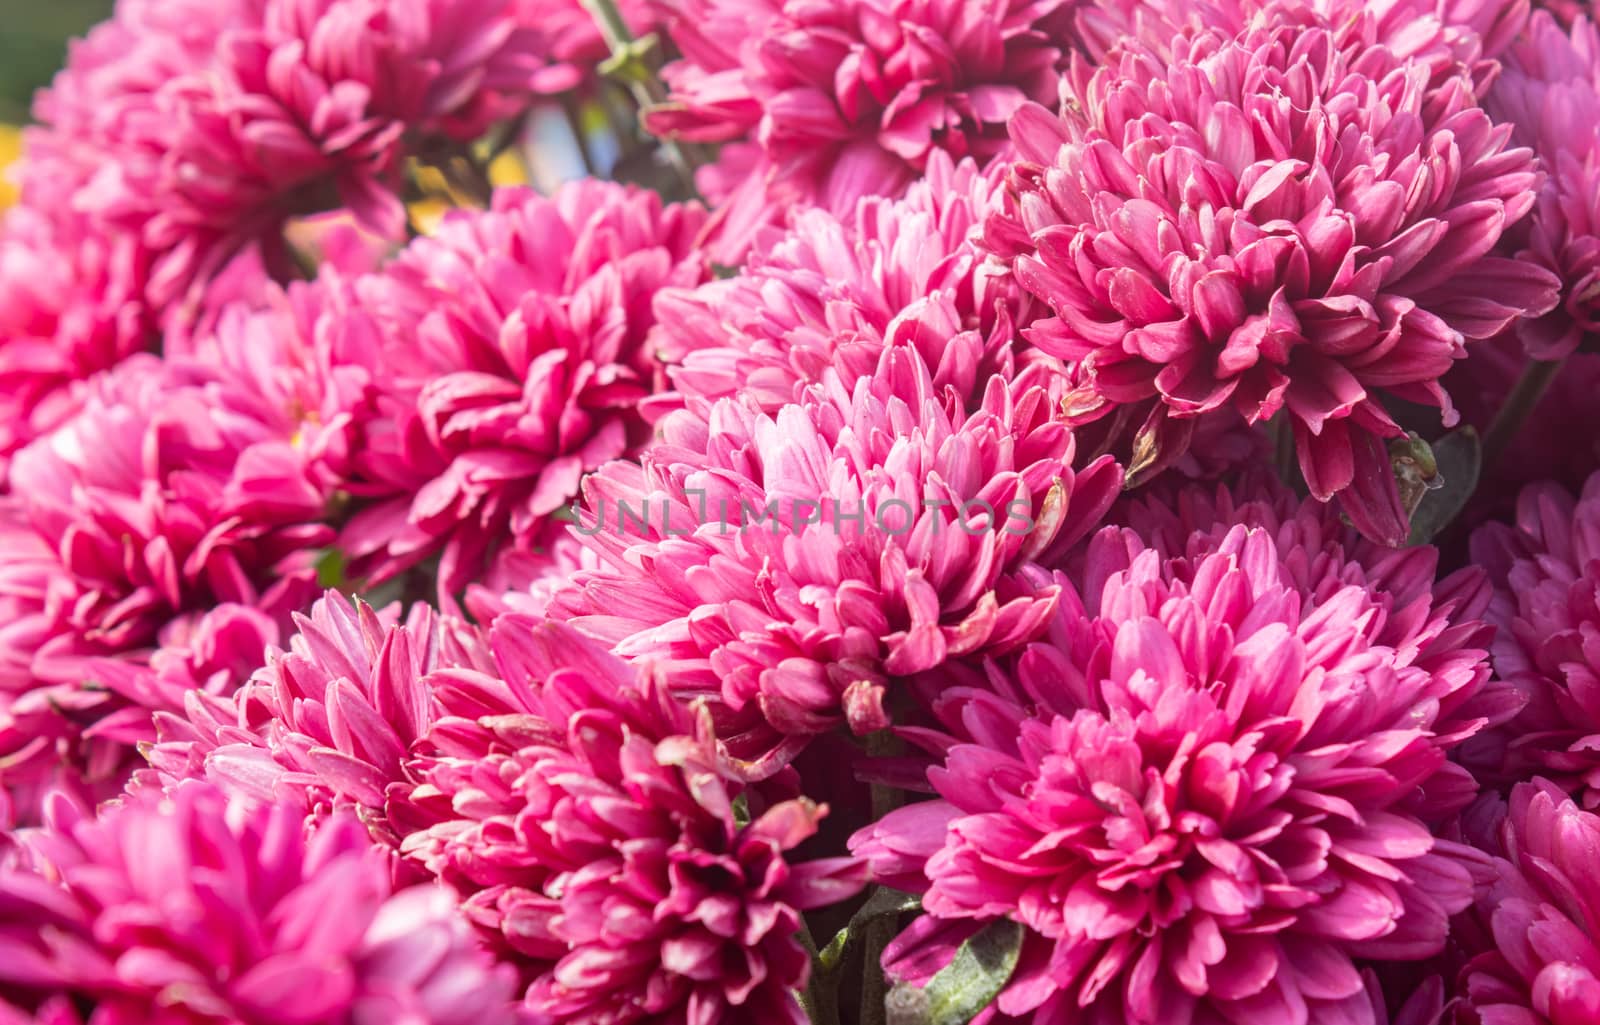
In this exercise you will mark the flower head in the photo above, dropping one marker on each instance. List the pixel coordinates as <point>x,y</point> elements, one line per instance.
<point>835,291</point>
<point>1547,609</point>
<point>1550,93</point>
<point>69,308</point>
<point>177,487</point>
<point>1270,223</point>
<point>198,128</point>
<point>1208,791</point>
<point>850,99</point>
<point>790,566</point>
<point>330,721</point>
<point>190,910</point>
<point>584,816</point>
<point>1543,967</point>
<point>514,342</point>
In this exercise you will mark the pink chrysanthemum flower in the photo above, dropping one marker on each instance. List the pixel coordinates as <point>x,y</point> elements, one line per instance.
<point>1550,93</point>
<point>516,363</point>
<point>329,722</point>
<point>69,308</point>
<point>201,127</point>
<point>791,566</point>
<point>835,291</point>
<point>585,816</point>
<point>189,910</point>
<point>1268,223</point>
<point>1547,609</point>
<point>1447,35</point>
<point>1208,792</point>
<point>177,487</point>
<point>1543,967</point>
<point>850,99</point>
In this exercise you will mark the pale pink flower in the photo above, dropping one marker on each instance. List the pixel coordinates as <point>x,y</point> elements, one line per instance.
<point>792,566</point>
<point>191,910</point>
<point>1207,794</point>
<point>584,816</point>
<point>1270,224</point>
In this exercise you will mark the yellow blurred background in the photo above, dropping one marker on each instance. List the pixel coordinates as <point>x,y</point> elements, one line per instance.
<point>10,149</point>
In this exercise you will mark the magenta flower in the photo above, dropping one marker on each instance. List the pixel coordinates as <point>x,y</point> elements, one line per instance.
<point>1543,967</point>
<point>69,307</point>
<point>199,128</point>
<point>835,291</point>
<point>1547,609</point>
<point>850,99</point>
<point>515,361</point>
<point>1550,93</point>
<point>1207,241</point>
<point>189,910</point>
<point>328,723</point>
<point>584,815</point>
<point>1208,792</point>
<point>177,488</point>
<point>791,566</point>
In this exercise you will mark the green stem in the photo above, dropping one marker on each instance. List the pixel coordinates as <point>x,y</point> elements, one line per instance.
<point>1524,398</point>
<point>642,82</point>
<point>820,999</point>
<point>879,932</point>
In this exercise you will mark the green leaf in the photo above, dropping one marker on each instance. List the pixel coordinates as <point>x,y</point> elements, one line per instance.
<point>1458,458</point>
<point>956,995</point>
<point>884,903</point>
<point>331,569</point>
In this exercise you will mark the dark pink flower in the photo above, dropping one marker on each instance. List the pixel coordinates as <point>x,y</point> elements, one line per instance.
<point>1550,93</point>
<point>330,721</point>
<point>1207,793</point>
<point>585,817</point>
<point>850,99</point>
<point>1542,965</point>
<point>1547,609</point>
<point>198,128</point>
<point>791,566</point>
<point>190,910</point>
<point>514,362</point>
<point>1270,224</point>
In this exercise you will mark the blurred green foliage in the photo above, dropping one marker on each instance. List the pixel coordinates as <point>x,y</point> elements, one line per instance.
<point>33,44</point>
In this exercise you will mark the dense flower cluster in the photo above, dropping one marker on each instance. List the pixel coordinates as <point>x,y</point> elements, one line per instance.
<point>190,910</point>
<point>1265,223</point>
<point>515,361</point>
<point>967,511</point>
<point>586,816</point>
<point>792,565</point>
<point>1208,790</point>
<point>835,102</point>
